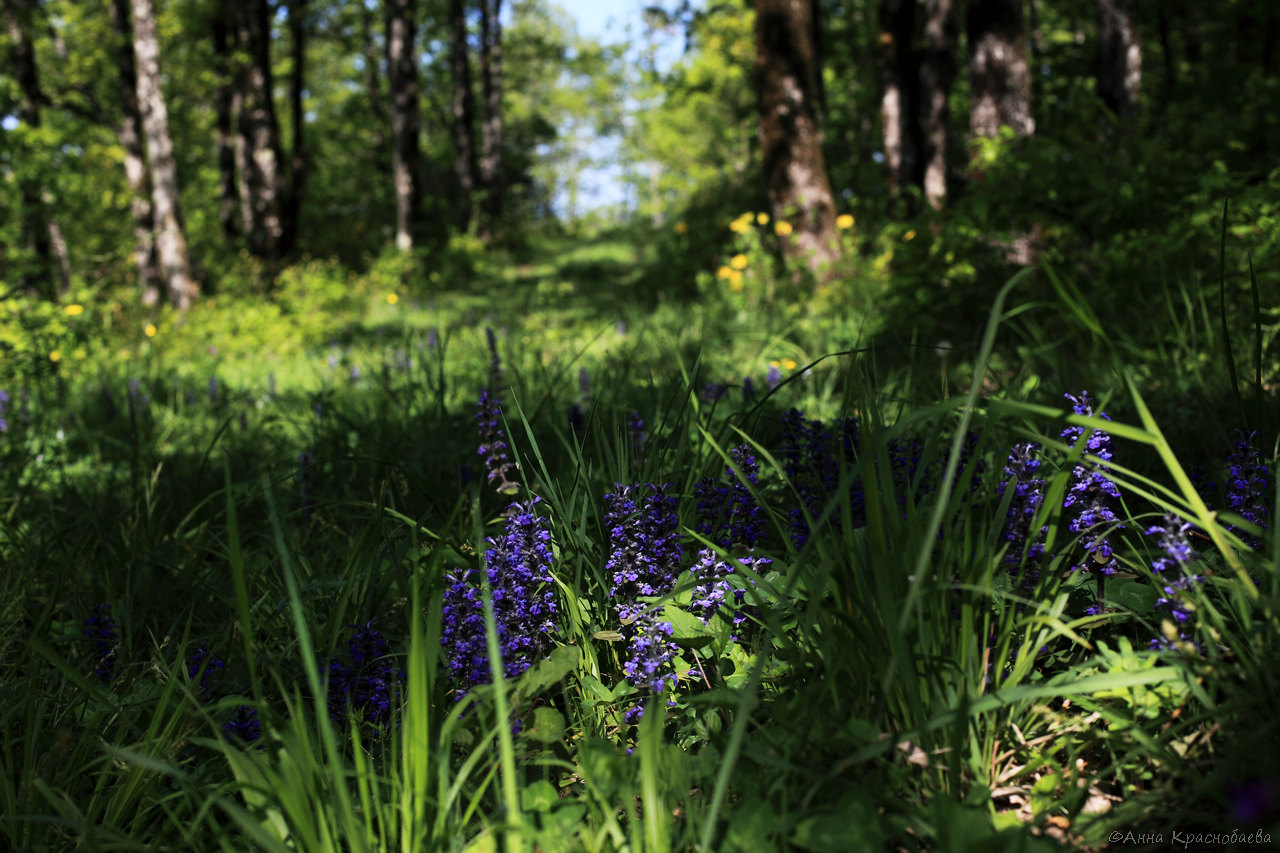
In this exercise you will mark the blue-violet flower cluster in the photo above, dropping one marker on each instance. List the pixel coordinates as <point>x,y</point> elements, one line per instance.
<point>100,628</point>
<point>524,603</point>
<point>1247,483</point>
<point>1092,495</point>
<point>369,683</point>
<point>1176,581</point>
<point>644,560</point>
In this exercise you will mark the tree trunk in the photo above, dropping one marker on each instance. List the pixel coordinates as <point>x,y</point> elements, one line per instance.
<point>259,131</point>
<point>135,156</point>
<point>300,161</point>
<point>1119,57</point>
<point>464,111</point>
<point>788,72</point>
<point>937,74</point>
<point>372,81</point>
<point>402,69</point>
<point>171,243</point>
<point>999,78</point>
<point>39,277</point>
<point>491,131</point>
<point>1000,89</point>
<point>899,100</point>
<point>226,104</point>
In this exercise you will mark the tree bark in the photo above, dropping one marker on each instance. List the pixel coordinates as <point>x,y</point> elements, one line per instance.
<point>491,130</point>
<point>226,102</point>
<point>464,111</point>
<point>402,68</point>
<point>36,235</point>
<point>899,99</point>
<point>135,156</point>
<point>999,77</point>
<point>787,70</point>
<point>937,75</point>
<point>260,131</point>
<point>300,159</point>
<point>171,242</point>
<point>372,80</point>
<point>1119,57</point>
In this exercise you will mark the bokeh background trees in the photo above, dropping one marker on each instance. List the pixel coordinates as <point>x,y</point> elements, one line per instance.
<point>193,147</point>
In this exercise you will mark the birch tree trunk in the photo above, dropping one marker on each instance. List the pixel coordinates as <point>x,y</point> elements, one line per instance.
<point>171,242</point>
<point>788,92</point>
<point>899,91</point>
<point>491,130</point>
<point>402,68</point>
<point>259,131</point>
<point>39,277</point>
<point>300,159</point>
<point>999,77</point>
<point>464,112</point>
<point>937,75</point>
<point>1119,57</point>
<point>135,156</point>
<point>226,102</point>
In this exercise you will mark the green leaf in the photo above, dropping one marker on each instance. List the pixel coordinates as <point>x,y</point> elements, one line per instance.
<point>540,796</point>
<point>547,672</point>
<point>688,629</point>
<point>547,725</point>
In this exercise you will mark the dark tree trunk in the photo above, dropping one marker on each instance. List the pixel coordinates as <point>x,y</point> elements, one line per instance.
<point>402,68</point>
<point>1000,89</point>
<point>300,162</point>
<point>1119,57</point>
<point>39,276</point>
<point>937,75</point>
<point>900,92</point>
<point>259,131</point>
<point>171,242</point>
<point>226,101</point>
<point>999,77</point>
<point>788,72</point>
<point>491,131</point>
<point>372,79</point>
<point>135,156</point>
<point>464,112</point>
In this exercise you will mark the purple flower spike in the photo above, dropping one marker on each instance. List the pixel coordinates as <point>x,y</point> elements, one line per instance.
<point>370,684</point>
<point>1247,484</point>
<point>524,602</point>
<point>1176,579</point>
<point>1092,496</point>
<point>644,559</point>
<point>100,628</point>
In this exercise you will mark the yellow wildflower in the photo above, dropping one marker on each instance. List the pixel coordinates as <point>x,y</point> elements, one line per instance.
<point>782,229</point>
<point>738,262</point>
<point>844,221</point>
<point>788,363</point>
<point>738,226</point>
<point>735,281</point>
<point>55,356</point>
<point>149,330</point>
<point>909,236</point>
<point>74,310</point>
<point>762,218</point>
<point>681,228</point>
<point>392,298</point>
<point>725,272</point>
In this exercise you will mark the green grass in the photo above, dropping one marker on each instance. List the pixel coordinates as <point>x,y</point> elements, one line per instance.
<point>893,687</point>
